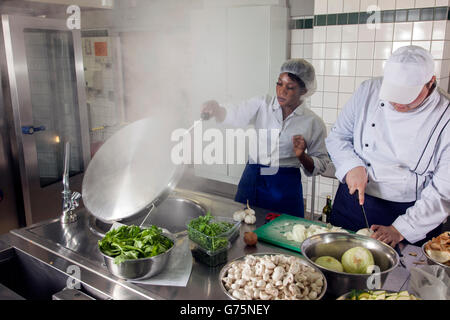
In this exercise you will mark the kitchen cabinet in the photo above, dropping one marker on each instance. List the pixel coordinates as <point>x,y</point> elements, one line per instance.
<point>236,54</point>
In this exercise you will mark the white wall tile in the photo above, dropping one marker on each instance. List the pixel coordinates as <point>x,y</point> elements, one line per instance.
<point>424,44</point>
<point>364,4</point>
<point>403,31</point>
<point>331,84</point>
<point>343,99</point>
<point>351,5</point>
<point>446,54</point>
<point>359,80</point>
<point>349,50</point>
<point>349,33</point>
<point>444,84</point>
<point>320,34</point>
<point>442,3</point>
<point>297,36</point>
<point>330,99</point>
<point>386,4</point>
<point>445,68</point>
<point>319,80</point>
<point>296,51</point>
<point>364,68</point>
<point>329,116</point>
<point>437,49</point>
<point>383,50</point>
<point>399,44</point>
<point>348,68</point>
<point>307,51</point>
<point>365,50</point>
<point>447,32</point>
<point>437,68</point>
<point>422,30</point>
<point>317,111</point>
<point>385,32</point>
<point>332,67</point>
<point>319,66</point>
<point>439,28</point>
<point>317,99</point>
<point>308,35</point>
<point>425,3</point>
<point>319,50</point>
<point>404,4</point>
<point>320,6</point>
<point>333,50</point>
<point>346,84</point>
<point>378,68</point>
<point>365,33</point>
<point>335,6</point>
<point>334,34</point>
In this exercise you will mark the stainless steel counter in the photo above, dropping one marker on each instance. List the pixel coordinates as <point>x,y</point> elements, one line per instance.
<point>61,249</point>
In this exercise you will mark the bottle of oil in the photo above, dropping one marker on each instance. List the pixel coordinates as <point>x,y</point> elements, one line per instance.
<point>326,212</point>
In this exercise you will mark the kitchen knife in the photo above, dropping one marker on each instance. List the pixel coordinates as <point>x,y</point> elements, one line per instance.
<point>363,211</point>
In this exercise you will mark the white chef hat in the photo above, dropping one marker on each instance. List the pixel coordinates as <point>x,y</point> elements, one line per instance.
<point>305,71</point>
<point>406,72</point>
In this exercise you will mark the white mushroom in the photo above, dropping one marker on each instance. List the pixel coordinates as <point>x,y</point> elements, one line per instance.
<point>278,273</point>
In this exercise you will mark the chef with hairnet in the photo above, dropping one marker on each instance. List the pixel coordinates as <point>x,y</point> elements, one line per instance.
<point>391,149</point>
<point>301,140</point>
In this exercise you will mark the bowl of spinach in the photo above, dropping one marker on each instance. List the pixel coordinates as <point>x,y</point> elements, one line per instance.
<point>213,233</point>
<point>131,252</point>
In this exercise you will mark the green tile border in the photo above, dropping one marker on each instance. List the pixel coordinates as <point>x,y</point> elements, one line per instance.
<point>387,16</point>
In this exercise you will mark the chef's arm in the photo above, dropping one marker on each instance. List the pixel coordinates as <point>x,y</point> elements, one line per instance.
<point>432,208</point>
<point>239,115</point>
<point>340,143</point>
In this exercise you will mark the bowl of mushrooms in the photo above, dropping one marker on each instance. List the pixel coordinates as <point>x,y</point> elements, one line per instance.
<point>272,276</point>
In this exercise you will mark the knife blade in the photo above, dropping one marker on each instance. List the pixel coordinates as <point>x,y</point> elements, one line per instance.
<point>363,210</point>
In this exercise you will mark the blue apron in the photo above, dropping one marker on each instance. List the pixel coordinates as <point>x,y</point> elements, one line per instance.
<point>281,192</point>
<point>346,212</point>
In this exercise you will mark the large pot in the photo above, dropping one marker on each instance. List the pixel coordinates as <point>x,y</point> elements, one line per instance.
<point>334,245</point>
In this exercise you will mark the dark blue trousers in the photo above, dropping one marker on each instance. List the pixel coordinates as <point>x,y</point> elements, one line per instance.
<point>280,193</point>
<point>347,212</point>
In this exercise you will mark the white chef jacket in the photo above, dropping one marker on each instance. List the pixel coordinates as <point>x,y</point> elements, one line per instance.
<point>369,132</point>
<point>265,112</point>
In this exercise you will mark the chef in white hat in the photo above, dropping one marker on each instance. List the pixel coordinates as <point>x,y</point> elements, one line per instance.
<point>391,149</point>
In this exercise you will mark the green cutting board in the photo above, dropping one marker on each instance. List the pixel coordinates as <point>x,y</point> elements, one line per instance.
<point>274,231</point>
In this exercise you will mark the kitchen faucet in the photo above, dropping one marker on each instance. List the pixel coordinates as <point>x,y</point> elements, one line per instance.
<point>70,199</point>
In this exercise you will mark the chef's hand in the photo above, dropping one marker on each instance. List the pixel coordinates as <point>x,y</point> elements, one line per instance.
<point>213,109</point>
<point>356,179</point>
<point>386,234</point>
<point>299,145</point>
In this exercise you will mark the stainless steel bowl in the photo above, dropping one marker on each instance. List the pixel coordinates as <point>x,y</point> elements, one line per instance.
<point>225,268</point>
<point>139,269</point>
<point>334,245</point>
<point>431,261</point>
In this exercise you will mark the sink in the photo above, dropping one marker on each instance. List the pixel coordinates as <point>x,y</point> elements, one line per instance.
<point>28,277</point>
<point>172,214</point>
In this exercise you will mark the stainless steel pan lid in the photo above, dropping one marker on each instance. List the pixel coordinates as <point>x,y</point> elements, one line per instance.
<point>131,171</point>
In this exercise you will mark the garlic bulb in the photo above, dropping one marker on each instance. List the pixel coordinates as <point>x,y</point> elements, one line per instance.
<point>239,215</point>
<point>249,210</point>
<point>250,219</point>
